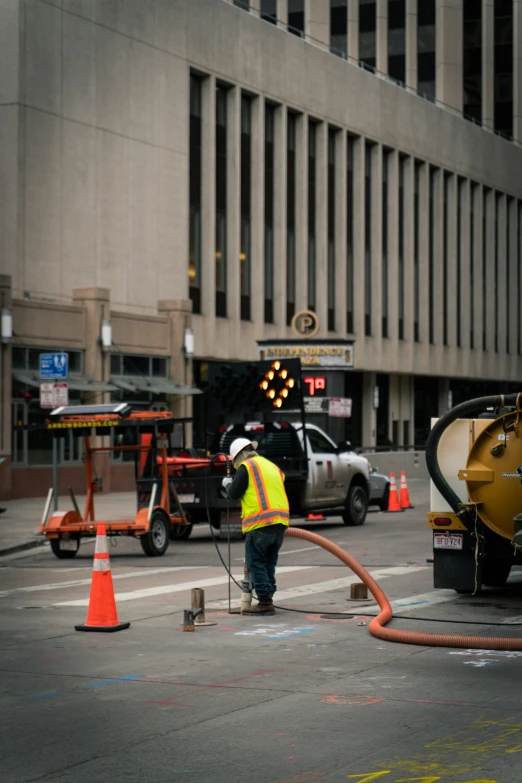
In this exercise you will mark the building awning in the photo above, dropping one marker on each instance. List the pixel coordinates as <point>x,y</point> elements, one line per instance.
<point>81,383</point>
<point>146,383</point>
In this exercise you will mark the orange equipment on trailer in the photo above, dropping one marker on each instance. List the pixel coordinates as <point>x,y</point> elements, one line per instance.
<point>159,512</point>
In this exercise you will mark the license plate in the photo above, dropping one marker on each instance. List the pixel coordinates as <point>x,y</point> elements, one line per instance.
<point>448,540</point>
<point>187,498</point>
<point>69,544</point>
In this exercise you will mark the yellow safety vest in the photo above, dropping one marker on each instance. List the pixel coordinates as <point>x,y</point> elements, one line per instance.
<point>265,501</point>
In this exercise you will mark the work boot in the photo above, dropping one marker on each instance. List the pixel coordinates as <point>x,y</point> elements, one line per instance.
<point>262,608</point>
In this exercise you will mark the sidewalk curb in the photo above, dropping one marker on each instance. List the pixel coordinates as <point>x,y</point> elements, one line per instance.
<point>22,547</point>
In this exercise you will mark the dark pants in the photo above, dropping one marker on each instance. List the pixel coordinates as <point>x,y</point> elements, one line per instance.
<point>261,552</point>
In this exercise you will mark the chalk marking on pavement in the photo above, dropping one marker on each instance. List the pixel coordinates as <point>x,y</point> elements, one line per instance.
<point>82,582</point>
<point>331,584</point>
<point>45,696</point>
<point>291,633</point>
<point>110,682</point>
<point>412,601</point>
<point>148,592</point>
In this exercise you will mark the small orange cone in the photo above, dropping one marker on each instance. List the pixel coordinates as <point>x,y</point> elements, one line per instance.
<point>405,495</point>
<point>393,500</point>
<point>102,614</point>
<point>315,518</point>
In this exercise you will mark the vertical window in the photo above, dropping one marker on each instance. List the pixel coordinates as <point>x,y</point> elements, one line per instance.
<point>384,290</point>
<point>472,59</point>
<point>485,202</point>
<point>497,279</point>
<point>460,186</point>
<point>338,27</point>
<point>312,281</point>
<point>431,254</point>
<point>367,32</point>
<point>397,39</point>
<point>290,217</point>
<point>331,230</point>
<point>519,278</point>
<point>296,17</point>
<point>509,203</point>
<point>195,153</point>
<point>349,233</point>
<point>244,4</point>
<point>368,239</point>
<point>269,212</point>
<point>402,164</point>
<point>221,201</point>
<point>269,11</point>
<point>416,251</point>
<point>445,254</point>
<point>246,206</point>
<point>503,92</point>
<point>426,48</point>
<point>472,198</point>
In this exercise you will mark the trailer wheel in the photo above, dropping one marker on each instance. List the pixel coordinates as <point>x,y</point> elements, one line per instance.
<point>64,554</point>
<point>156,541</point>
<point>495,572</point>
<point>356,506</point>
<point>180,532</point>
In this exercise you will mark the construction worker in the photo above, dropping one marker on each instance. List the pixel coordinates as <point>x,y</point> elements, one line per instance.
<point>264,514</point>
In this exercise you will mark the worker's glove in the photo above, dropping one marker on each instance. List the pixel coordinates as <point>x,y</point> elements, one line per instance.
<point>227,481</point>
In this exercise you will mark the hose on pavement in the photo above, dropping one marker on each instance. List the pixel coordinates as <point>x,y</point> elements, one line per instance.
<point>377,625</point>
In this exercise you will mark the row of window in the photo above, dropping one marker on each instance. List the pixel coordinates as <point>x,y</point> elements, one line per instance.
<point>437,233</point>
<point>426,39</point>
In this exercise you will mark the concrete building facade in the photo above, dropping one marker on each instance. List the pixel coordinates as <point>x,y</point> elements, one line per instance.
<point>226,166</point>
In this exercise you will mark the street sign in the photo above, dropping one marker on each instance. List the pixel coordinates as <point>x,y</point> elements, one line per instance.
<point>340,407</point>
<point>316,404</point>
<point>54,365</point>
<point>53,395</point>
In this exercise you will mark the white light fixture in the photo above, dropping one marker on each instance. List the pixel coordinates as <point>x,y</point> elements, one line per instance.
<point>188,345</point>
<point>7,325</point>
<point>450,400</point>
<point>106,335</point>
<point>375,397</point>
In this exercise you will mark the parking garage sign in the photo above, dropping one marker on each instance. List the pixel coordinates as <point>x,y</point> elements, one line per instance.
<point>53,365</point>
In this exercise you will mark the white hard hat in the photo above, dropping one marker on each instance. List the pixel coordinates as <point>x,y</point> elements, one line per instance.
<point>239,444</point>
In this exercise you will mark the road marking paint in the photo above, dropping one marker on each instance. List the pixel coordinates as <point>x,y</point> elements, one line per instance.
<point>82,582</point>
<point>45,696</point>
<point>412,601</point>
<point>331,584</point>
<point>291,633</point>
<point>110,682</point>
<point>287,552</point>
<point>148,592</point>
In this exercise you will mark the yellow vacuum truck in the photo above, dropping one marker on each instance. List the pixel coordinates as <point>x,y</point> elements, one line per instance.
<point>475,465</point>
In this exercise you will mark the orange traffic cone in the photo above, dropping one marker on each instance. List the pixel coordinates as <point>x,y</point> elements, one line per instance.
<point>405,495</point>
<point>102,614</point>
<point>393,500</point>
<point>315,518</point>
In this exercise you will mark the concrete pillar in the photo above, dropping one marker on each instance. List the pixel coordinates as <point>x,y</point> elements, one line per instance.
<point>501,289</point>
<point>489,260</point>
<point>409,274</point>
<point>301,213</point>
<point>382,36</point>
<point>280,232</point>
<point>438,278</point>
<point>424,234</point>
<point>353,30</point>
<point>340,233</point>
<point>317,22</point>
<point>444,388</point>
<point>5,395</point>
<point>517,71</point>
<point>465,265</point>
<point>369,423</point>
<point>96,363</point>
<point>179,314</point>
<point>478,292</point>
<point>411,44</point>
<point>233,202</point>
<point>488,64</point>
<point>321,225</point>
<point>208,205</point>
<point>393,245</point>
<point>358,238</point>
<point>449,63</point>
<point>282,13</point>
<point>514,304</point>
<point>451,256</point>
<point>377,241</point>
<point>257,222</point>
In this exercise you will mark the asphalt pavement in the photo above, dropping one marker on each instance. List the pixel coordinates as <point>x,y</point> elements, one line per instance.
<point>302,696</point>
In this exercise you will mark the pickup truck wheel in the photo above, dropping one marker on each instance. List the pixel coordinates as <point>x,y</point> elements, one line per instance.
<point>180,532</point>
<point>383,503</point>
<point>356,507</point>
<point>155,542</point>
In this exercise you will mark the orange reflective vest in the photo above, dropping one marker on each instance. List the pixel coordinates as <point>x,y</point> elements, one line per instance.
<point>265,501</point>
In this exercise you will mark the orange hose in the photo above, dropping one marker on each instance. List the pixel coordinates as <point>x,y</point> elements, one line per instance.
<point>376,626</point>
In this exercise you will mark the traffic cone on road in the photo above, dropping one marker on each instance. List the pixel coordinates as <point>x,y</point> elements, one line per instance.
<point>405,495</point>
<point>393,500</point>
<point>102,614</point>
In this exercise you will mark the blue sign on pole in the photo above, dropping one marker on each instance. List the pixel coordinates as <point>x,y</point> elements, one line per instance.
<point>54,365</point>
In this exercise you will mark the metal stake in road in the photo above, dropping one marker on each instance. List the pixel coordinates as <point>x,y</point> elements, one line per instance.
<point>55,473</point>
